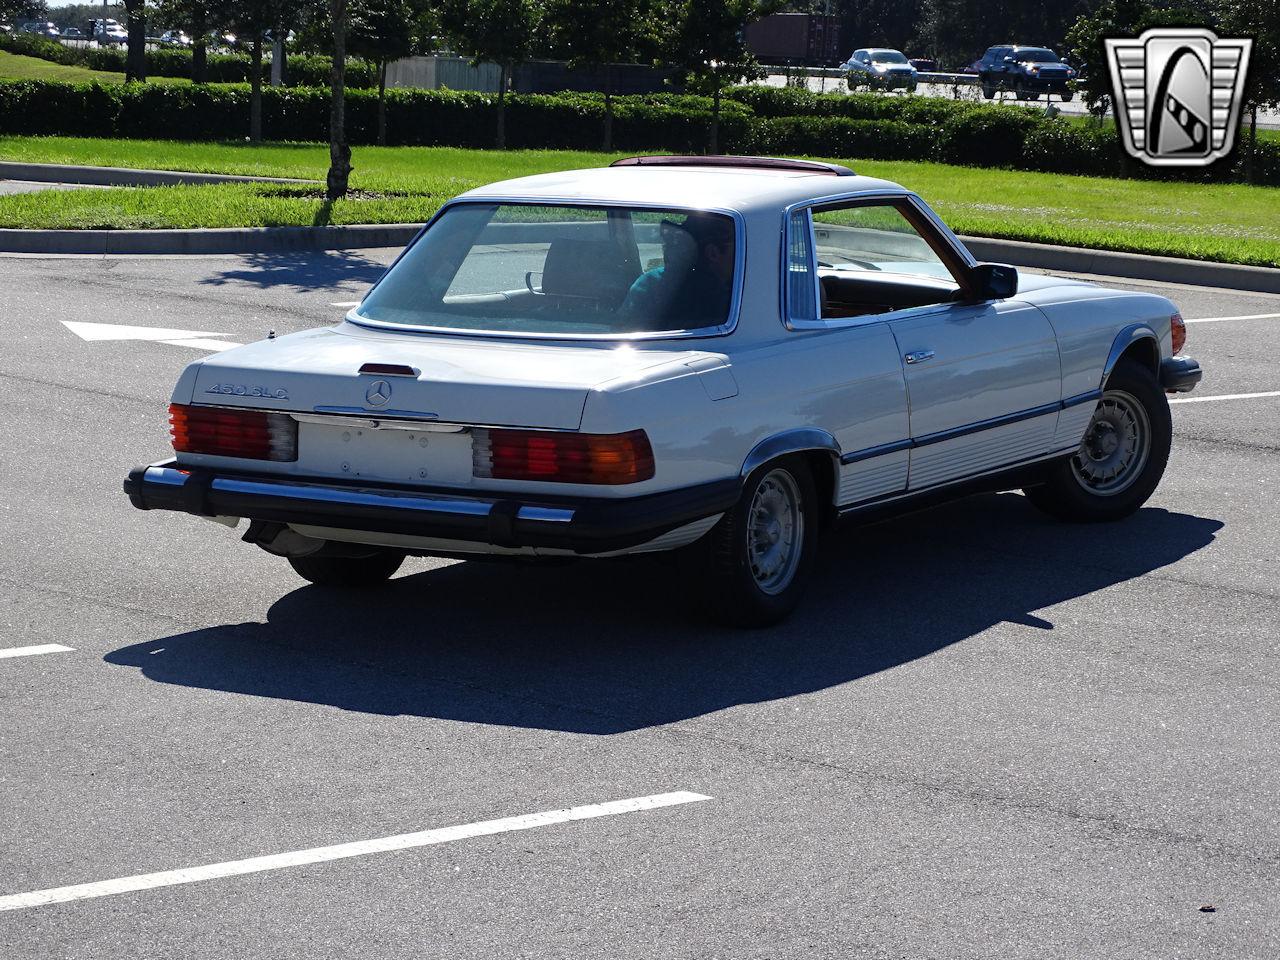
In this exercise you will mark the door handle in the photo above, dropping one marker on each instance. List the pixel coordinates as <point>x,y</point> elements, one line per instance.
<point>919,356</point>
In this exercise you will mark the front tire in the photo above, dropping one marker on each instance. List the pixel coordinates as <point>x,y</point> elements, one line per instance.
<point>348,572</point>
<point>988,90</point>
<point>1122,456</point>
<point>752,568</point>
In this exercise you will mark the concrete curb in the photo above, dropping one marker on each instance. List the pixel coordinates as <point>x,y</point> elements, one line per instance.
<point>1134,266</point>
<point>230,240</point>
<point>234,240</point>
<point>123,176</point>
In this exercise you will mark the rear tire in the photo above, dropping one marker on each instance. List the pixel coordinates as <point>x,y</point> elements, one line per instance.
<point>1122,456</point>
<point>752,568</point>
<point>348,572</point>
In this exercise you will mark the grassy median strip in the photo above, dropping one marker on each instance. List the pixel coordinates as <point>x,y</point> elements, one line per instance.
<point>14,66</point>
<point>1225,222</point>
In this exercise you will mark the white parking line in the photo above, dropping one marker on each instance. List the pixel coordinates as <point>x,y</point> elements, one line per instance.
<point>346,303</point>
<point>404,841</point>
<point>1226,396</point>
<point>35,651</point>
<point>1252,316</point>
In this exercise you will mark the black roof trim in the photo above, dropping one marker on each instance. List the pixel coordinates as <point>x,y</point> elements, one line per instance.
<point>749,163</point>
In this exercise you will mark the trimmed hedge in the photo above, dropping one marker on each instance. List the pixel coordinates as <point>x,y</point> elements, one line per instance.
<point>414,117</point>
<point>906,129</point>
<point>300,71</point>
<point>841,137</point>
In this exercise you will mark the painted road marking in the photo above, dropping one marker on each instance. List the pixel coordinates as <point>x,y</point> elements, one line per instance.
<point>198,339</point>
<point>34,651</point>
<point>346,303</point>
<point>1226,396</point>
<point>1252,316</point>
<point>404,841</point>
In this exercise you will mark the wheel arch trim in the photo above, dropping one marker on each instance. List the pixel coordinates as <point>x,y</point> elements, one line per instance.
<point>1126,338</point>
<point>798,440</point>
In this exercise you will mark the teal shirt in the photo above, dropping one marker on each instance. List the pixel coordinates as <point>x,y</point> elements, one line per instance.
<point>699,300</point>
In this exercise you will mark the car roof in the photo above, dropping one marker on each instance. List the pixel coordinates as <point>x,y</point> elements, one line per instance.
<point>740,189</point>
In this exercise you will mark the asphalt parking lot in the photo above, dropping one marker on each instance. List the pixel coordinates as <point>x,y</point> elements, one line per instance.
<point>985,734</point>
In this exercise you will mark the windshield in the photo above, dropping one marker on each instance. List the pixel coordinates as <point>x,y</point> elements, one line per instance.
<point>1036,56</point>
<point>563,270</point>
<point>887,56</point>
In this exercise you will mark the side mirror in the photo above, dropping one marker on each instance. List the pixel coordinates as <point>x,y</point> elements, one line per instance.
<point>993,281</point>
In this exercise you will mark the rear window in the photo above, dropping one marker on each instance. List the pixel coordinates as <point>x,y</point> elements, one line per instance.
<point>533,269</point>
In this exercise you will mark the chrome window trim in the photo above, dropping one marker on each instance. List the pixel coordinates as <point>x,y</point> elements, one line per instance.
<point>720,330</point>
<point>842,323</point>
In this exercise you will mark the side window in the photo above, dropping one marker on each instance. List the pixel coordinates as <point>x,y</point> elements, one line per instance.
<point>871,258</point>
<point>802,290</point>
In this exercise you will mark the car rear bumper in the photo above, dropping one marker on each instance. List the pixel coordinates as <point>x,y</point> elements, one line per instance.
<point>583,525</point>
<point>1180,374</point>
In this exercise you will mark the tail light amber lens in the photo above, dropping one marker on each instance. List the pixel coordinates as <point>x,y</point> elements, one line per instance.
<point>221,432</point>
<point>562,457</point>
<point>1178,327</point>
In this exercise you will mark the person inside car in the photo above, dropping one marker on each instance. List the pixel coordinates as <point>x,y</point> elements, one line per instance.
<point>694,285</point>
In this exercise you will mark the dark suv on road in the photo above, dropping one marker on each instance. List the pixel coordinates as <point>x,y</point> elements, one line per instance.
<point>1027,71</point>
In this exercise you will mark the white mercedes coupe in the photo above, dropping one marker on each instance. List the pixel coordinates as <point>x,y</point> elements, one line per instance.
<point>716,356</point>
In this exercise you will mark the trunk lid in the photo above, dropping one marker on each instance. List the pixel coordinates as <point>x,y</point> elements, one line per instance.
<point>460,379</point>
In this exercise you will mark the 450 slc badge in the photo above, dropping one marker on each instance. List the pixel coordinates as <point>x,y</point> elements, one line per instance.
<point>244,390</point>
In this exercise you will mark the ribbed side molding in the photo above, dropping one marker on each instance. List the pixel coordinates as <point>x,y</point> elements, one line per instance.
<point>867,453</point>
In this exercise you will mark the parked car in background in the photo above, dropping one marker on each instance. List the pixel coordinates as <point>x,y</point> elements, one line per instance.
<point>41,28</point>
<point>175,38</point>
<point>657,356</point>
<point>108,32</point>
<point>879,68</point>
<point>923,64</point>
<point>73,33</point>
<point>1027,71</point>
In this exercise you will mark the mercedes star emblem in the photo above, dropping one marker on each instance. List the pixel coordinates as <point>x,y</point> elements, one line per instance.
<point>378,394</point>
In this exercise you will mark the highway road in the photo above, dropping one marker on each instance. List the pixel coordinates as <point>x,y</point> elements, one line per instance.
<point>984,734</point>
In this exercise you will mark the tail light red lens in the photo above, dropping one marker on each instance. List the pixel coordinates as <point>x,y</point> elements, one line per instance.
<point>562,457</point>
<point>222,432</point>
<point>1178,327</point>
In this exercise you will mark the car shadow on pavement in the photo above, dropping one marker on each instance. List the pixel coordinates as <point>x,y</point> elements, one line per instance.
<point>302,271</point>
<point>604,648</point>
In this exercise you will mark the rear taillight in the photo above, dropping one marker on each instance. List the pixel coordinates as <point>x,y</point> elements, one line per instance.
<point>1178,327</point>
<point>223,432</point>
<point>562,457</point>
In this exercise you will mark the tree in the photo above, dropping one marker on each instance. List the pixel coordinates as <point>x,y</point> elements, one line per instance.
<point>957,32</point>
<point>252,19</point>
<point>707,41</point>
<point>386,30</point>
<point>196,18</point>
<point>135,64</point>
<point>336,183</point>
<point>1259,19</point>
<point>494,31</point>
<point>595,36</point>
<point>1121,18</point>
<point>14,12</point>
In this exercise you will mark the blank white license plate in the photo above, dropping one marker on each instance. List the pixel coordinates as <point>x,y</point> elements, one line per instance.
<point>392,456</point>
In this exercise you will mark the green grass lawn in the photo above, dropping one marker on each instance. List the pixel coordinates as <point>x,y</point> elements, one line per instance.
<point>16,67</point>
<point>1228,222</point>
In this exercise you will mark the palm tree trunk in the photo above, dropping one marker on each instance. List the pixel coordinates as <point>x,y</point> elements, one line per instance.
<point>199,48</point>
<point>502,107</point>
<point>382,104</point>
<point>135,64</point>
<point>608,107</point>
<point>339,149</point>
<point>714,146</point>
<point>255,90</point>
